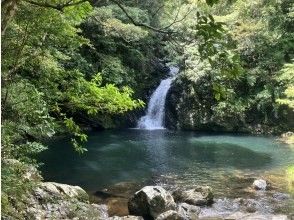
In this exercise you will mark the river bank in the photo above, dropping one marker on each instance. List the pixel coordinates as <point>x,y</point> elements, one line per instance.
<point>61,201</point>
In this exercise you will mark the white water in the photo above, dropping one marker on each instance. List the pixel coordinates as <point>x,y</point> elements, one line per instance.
<point>154,119</point>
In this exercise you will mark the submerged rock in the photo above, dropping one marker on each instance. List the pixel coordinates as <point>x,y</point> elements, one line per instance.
<point>200,195</point>
<point>220,208</point>
<point>252,205</point>
<point>151,201</point>
<point>260,184</point>
<point>116,197</point>
<point>224,207</point>
<point>281,196</point>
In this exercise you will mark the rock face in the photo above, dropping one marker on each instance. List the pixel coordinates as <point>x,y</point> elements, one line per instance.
<point>201,195</point>
<point>260,184</point>
<point>151,201</point>
<point>191,105</point>
<point>60,201</point>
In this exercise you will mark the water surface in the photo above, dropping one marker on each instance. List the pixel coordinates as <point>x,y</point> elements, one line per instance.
<point>164,157</point>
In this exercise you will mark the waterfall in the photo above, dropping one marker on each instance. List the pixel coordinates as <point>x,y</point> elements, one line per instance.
<point>154,119</point>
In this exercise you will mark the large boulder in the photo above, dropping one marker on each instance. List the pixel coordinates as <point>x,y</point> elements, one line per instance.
<point>200,195</point>
<point>52,188</point>
<point>60,201</point>
<point>151,201</point>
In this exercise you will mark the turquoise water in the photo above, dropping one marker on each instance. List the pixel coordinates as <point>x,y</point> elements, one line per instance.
<point>164,157</point>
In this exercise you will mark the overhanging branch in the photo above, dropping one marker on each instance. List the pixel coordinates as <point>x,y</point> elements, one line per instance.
<point>160,30</point>
<point>58,7</point>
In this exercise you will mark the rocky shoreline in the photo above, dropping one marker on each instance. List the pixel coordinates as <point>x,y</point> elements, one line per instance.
<point>52,200</point>
<point>133,201</point>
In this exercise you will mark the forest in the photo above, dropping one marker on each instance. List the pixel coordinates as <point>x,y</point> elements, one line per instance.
<point>117,96</point>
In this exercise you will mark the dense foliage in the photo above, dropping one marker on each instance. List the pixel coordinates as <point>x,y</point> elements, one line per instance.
<point>67,65</point>
<point>253,91</point>
<point>70,64</point>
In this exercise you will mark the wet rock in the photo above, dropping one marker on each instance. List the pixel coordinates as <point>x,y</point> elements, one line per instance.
<point>116,197</point>
<point>201,195</point>
<point>260,184</point>
<point>188,211</point>
<point>281,196</point>
<point>220,208</point>
<point>123,189</point>
<point>117,204</point>
<point>224,207</point>
<point>151,201</point>
<point>128,217</point>
<point>171,215</point>
<point>251,205</point>
<point>255,216</point>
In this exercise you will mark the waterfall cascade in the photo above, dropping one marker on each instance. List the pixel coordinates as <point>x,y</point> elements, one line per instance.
<point>154,119</point>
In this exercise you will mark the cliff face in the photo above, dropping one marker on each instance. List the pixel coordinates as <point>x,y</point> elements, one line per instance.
<point>191,105</point>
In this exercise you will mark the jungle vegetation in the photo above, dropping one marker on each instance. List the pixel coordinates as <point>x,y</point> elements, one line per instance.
<point>72,64</point>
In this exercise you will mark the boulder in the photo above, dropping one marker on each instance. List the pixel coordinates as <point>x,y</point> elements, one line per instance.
<point>170,215</point>
<point>60,207</point>
<point>260,184</point>
<point>51,188</point>
<point>151,201</point>
<point>200,195</point>
<point>60,201</point>
<point>188,211</point>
